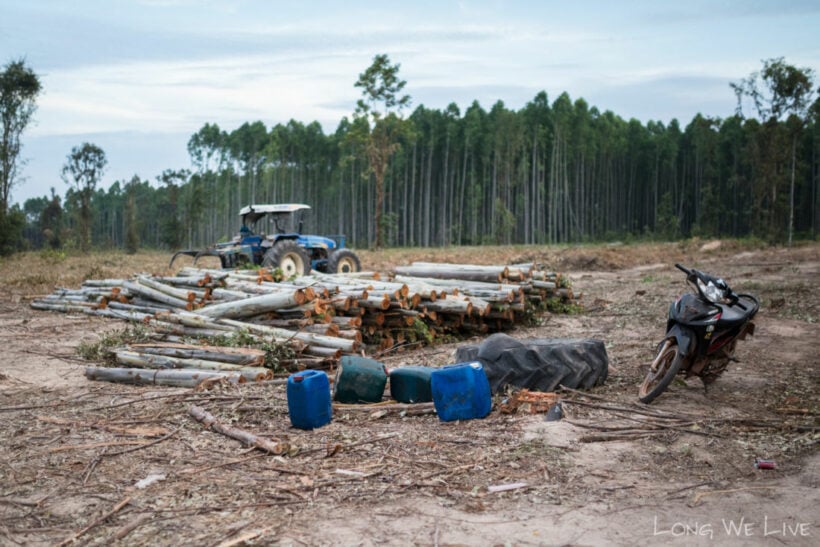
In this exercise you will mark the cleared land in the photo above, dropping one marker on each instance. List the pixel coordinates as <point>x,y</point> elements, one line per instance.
<point>74,452</point>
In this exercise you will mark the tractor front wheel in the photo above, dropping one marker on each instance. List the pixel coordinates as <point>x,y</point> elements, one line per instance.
<point>289,257</point>
<point>343,261</point>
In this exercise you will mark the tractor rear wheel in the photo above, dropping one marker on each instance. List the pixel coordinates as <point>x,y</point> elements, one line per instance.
<point>343,261</point>
<point>289,257</point>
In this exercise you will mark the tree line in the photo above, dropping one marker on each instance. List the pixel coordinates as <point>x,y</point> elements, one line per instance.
<point>554,171</point>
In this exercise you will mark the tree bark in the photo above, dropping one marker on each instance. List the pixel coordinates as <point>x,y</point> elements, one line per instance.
<point>255,305</point>
<point>245,437</point>
<point>166,377</point>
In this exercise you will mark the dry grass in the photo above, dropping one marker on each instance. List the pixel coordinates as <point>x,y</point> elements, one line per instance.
<point>38,273</point>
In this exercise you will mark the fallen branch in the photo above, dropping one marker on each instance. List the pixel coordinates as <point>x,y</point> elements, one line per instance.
<point>243,538</point>
<point>130,527</point>
<point>622,436</point>
<point>245,437</point>
<point>97,522</point>
<point>614,407</point>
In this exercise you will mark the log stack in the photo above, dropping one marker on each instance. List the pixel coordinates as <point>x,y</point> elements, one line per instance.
<point>319,316</point>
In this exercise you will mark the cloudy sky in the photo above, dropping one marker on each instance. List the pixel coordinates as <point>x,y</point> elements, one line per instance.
<point>139,77</point>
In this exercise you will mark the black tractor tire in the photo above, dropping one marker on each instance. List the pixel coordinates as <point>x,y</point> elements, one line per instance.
<point>343,261</point>
<point>289,257</point>
<point>669,361</point>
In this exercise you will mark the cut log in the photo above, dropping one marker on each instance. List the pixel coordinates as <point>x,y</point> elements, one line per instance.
<point>348,346</point>
<point>64,307</point>
<point>182,294</point>
<point>153,294</point>
<point>153,361</point>
<point>192,320</point>
<point>169,377</point>
<point>454,271</point>
<point>254,305</point>
<point>246,357</point>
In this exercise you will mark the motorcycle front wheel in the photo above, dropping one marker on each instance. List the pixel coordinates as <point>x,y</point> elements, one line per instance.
<point>663,370</point>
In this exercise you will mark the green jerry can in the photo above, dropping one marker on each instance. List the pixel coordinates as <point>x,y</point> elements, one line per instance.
<point>359,380</point>
<point>411,384</point>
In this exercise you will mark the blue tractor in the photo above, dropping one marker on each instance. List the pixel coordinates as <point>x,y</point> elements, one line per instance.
<point>271,236</point>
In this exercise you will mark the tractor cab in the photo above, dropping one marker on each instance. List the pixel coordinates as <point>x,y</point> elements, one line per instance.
<point>274,220</point>
<point>271,236</point>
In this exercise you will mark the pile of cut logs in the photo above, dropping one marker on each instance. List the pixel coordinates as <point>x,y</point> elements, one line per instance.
<point>320,316</point>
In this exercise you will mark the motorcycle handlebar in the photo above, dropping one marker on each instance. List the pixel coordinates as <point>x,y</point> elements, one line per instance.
<point>734,300</point>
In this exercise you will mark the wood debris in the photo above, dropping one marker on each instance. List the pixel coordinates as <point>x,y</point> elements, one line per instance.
<point>319,316</point>
<point>532,402</point>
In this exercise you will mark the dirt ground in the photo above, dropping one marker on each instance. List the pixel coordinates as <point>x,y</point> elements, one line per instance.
<point>98,464</point>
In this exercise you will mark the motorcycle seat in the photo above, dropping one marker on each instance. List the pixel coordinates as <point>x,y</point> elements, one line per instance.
<point>732,316</point>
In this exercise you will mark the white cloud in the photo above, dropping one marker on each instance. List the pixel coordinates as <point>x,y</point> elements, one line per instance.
<point>171,96</point>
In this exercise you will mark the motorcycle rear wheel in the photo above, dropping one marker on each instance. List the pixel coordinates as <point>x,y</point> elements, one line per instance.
<point>669,361</point>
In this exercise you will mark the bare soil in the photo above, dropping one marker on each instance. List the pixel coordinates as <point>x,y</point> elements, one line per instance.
<point>99,464</point>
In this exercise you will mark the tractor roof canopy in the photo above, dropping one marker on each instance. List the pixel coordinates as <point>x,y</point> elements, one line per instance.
<point>251,213</point>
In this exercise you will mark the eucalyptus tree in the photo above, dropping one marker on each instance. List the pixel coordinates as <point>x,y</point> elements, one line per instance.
<point>51,221</point>
<point>247,145</point>
<point>19,88</point>
<point>204,147</point>
<point>171,226</point>
<point>209,155</point>
<point>131,221</point>
<point>475,143</point>
<point>780,92</point>
<point>381,105</point>
<point>83,169</point>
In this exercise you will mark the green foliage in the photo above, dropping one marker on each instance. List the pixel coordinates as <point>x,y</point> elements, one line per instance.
<point>101,350</point>
<point>19,88</point>
<point>51,222</point>
<point>381,88</point>
<point>667,225</point>
<point>557,305</point>
<point>559,172</point>
<point>380,106</point>
<point>83,169</point>
<point>390,228</point>
<point>783,97</point>
<point>12,223</point>
<point>420,332</point>
<point>275,353</point>
<point>52,256</point>
<point>504,223</point>
<point>132,240</point>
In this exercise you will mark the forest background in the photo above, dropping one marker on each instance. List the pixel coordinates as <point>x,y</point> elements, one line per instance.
<point>555,171</point>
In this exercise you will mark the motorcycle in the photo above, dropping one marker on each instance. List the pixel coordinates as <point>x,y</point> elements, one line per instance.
<point>702,331</point>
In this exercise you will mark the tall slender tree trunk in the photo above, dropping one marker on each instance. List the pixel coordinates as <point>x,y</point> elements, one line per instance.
<point>428,190</point>
<point>791,189</point>
<point>413,197</point>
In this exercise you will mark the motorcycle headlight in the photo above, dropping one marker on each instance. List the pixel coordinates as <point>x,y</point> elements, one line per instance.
<point>712,293</point>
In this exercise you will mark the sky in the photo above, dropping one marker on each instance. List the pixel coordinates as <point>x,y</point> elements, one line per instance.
<point>139,77</point>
